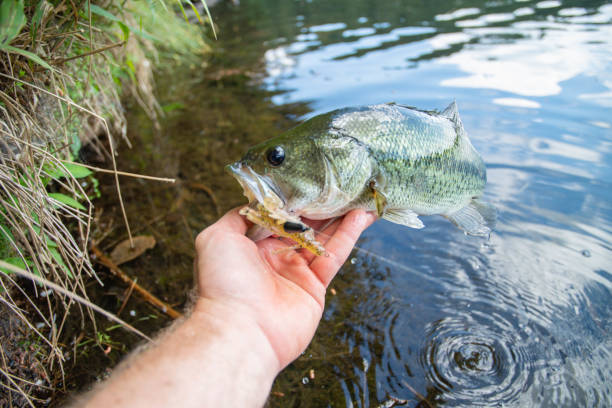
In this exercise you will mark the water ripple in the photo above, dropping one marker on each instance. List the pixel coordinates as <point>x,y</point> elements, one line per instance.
<point>434,318</point>
<point>476,362</point>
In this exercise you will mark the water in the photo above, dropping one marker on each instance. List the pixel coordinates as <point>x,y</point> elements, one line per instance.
<point>524,318</point>
<point>432,317</point>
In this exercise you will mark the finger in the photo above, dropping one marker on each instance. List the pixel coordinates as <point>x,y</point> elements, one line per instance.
<point>340,244</point>
<point>232,221</point>
<point>323,236</point>
<point>319,225</point>
<point>328,230</point>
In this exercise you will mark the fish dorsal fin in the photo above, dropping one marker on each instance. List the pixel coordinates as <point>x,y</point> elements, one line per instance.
<point>404,217</point>
<point>477,218</point>
<point>452,113</point>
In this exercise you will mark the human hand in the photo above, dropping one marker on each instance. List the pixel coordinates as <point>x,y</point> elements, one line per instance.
<point>279,289</point>
<point>259,305</point>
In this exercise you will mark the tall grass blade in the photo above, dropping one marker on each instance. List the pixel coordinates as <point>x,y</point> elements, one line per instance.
<point>103,13</point>
<point>30,55</point>
<point>37,17</point>
<point>195,10</point>
<point>212,25</point>
<point>179,2</point>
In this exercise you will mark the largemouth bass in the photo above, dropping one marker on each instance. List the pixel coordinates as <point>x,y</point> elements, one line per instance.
<point>398,161</point>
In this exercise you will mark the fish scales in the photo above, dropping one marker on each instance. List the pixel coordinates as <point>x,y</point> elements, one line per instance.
<point>400,161</point>
<point>425,159</point>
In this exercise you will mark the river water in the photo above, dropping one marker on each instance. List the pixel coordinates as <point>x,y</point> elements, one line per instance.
<point>432,317</point>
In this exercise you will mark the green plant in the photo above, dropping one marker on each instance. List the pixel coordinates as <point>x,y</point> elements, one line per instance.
<point>12,20</point>
<point>64,66</point>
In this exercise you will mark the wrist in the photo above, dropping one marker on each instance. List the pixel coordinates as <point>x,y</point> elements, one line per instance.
<point>244,341</point>
<point>216,357</point>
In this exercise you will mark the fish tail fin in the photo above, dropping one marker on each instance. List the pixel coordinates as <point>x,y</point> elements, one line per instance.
<point>476,218</point>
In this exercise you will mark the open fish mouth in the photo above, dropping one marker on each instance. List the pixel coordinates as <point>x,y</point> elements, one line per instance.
<point>256,187</point>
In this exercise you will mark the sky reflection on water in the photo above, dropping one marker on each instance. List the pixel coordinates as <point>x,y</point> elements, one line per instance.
<point>522,57</point>
<point>523,319</point>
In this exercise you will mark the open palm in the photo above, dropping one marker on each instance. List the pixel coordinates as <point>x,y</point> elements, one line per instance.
<point>281,289</point>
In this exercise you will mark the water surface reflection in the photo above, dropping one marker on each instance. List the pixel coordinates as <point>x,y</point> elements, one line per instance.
<point>431,317</point>
<point>522,319</point>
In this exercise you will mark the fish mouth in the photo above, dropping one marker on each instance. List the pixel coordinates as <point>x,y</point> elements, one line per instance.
<point>257,187</point>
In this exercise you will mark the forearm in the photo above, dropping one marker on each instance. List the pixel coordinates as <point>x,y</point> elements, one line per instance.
<point>216,357</point>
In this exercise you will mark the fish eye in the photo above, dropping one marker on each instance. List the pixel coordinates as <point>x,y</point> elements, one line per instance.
<point>275,156</point>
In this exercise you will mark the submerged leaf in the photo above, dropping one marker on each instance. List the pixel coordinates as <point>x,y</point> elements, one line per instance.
<point>124,252</point>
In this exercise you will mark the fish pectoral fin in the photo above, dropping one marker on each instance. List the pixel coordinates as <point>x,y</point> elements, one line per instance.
<point>477,218</point>
<point>379,199</point>
<point>404,217</point>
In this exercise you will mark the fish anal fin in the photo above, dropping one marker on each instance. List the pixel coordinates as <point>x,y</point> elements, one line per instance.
<point>404,217</point>
<point>477,218</point>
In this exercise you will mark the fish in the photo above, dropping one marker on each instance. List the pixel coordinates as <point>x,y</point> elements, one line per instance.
<point>396,160</point>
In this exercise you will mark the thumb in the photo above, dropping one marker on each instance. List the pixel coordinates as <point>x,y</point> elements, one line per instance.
<point>232,221</point>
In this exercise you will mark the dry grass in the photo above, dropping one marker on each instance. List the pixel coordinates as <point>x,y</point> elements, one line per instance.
<point>60,80</point>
